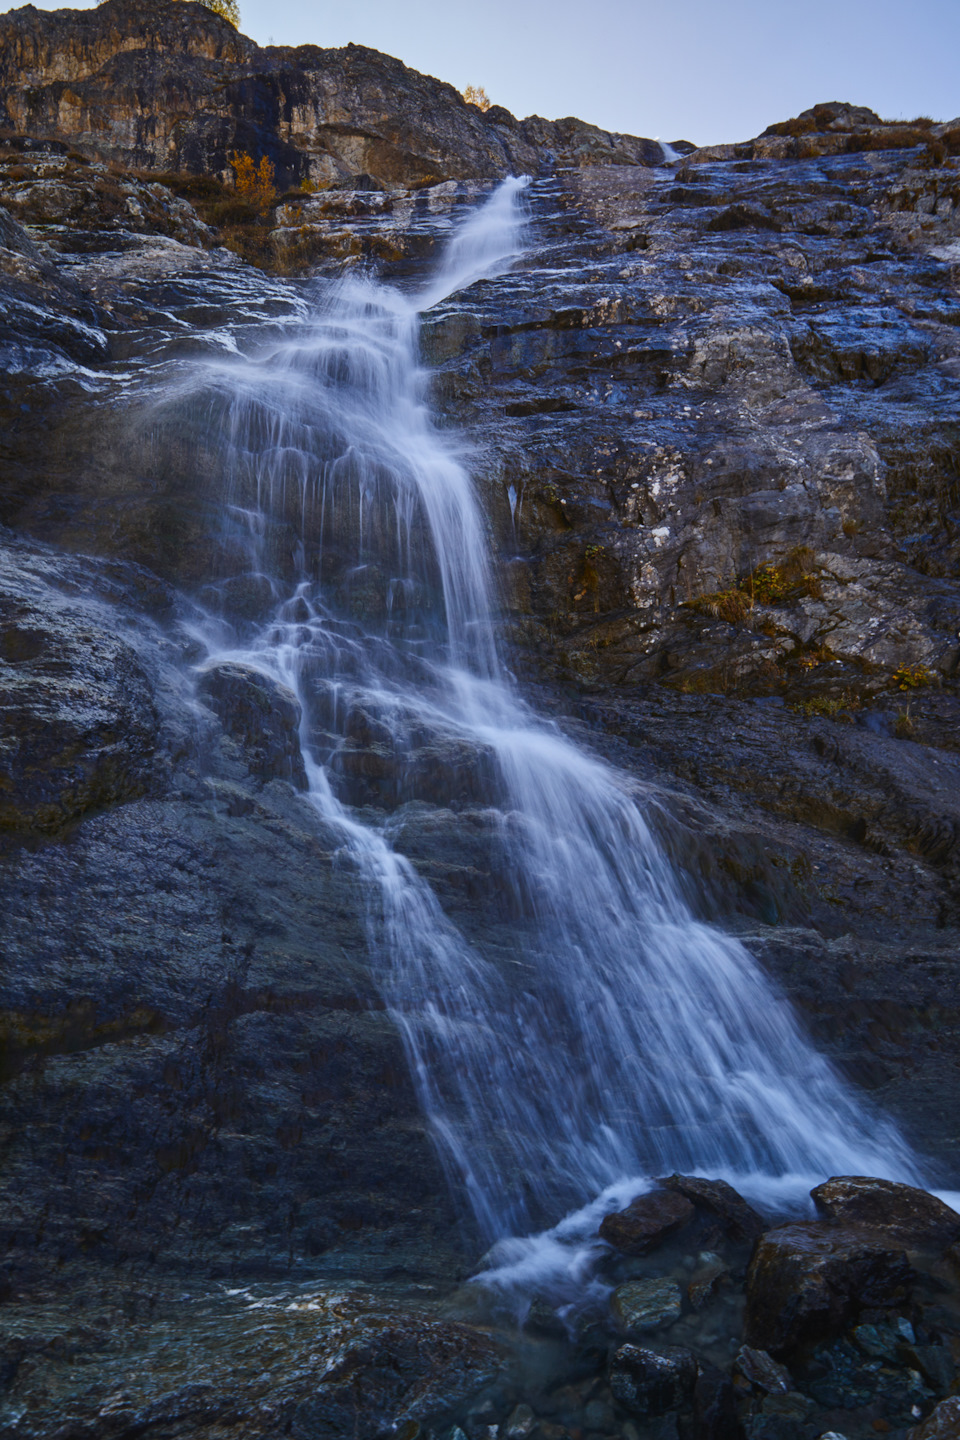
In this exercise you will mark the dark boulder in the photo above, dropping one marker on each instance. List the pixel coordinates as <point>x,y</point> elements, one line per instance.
<point>651,1382</point>
<point>262,716</point>
<point>646,1222</point>
<point>739,1219</point>
<point>807,1281</point>
<point>903,1213</point>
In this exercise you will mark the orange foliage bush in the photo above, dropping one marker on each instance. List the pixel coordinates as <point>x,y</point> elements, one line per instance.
<point>255,183</point>
<point>476,95</point>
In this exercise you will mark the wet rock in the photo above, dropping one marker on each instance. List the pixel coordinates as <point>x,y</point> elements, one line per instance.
<point>783,1417</point>
<point>761,1371</point>
<point>542,1319</point>
<point>877,1341</point>
<point>643,1305</point>
<point>309,1366</point>
<point>77,719</point>
<point>806,1281</point>
<point>646,1222</point>
<point>942,1424</point>
<point>714,1406</point>
<point>599,1416</point>
<point>904,1214</point>
<point>739,1219</point>
<point>707,1278</point>
<point>651,1382</point>
<point>518,1424</point>
<point>262,716</point>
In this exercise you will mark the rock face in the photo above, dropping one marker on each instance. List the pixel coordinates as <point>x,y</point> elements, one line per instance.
<point>262,715</point>
<point>172,86</point>
<point>78,727</point>
<point>302,1365</point>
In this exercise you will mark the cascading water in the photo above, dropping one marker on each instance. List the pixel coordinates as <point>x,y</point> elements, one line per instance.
<point>611,1038</point>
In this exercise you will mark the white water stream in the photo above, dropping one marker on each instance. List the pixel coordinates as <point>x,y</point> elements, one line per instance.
<point>620,1039</point>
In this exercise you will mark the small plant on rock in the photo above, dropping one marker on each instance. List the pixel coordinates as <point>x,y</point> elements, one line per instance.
<point>812,658</point>
<point>911,677</point>
<point>829,706</point>
<point>768,584</point>
<point>903,729</point>
<point>729,605</point>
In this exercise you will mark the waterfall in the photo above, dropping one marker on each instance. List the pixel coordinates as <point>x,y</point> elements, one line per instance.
<point>603,1036</point>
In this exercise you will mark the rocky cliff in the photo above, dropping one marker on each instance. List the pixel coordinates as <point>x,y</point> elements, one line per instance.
<point>715,409</point>
<point>172,86</point>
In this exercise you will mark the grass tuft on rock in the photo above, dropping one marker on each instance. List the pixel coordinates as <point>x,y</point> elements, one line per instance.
<point>769,584</point>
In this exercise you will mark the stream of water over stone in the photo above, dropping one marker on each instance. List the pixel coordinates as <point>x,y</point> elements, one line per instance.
<point>610,1038</point>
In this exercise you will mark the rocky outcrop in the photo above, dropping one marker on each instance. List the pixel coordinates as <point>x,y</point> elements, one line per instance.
<point>172,86</point>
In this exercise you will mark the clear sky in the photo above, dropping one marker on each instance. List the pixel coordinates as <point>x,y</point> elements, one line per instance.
<point>706,71</point>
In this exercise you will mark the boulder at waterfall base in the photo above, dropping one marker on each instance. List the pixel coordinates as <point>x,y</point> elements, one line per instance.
<point>646,1222</point>
<point>718,1198</point>
<point>652,1382</point>
<point>807,1281</point>
<point>902,1213</point>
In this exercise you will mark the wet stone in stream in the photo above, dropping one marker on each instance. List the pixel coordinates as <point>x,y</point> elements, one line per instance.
<point>643,1305</point>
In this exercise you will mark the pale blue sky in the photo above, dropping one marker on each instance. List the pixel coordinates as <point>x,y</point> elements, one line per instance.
<point>705,71</point>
